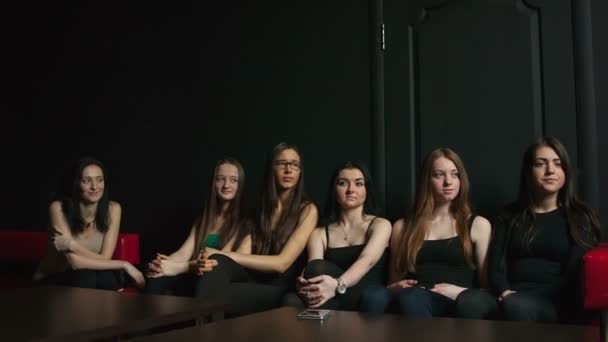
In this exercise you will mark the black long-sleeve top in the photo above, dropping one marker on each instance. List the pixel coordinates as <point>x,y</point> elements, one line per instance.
<point>548,265</point>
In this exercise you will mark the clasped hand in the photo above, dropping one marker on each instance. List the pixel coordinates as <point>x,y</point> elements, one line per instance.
<point>315,291</point>
<point>203,263</point>
<point>163,265</point>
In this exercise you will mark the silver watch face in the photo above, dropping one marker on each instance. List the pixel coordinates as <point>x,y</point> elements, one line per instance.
<point>341,289</point>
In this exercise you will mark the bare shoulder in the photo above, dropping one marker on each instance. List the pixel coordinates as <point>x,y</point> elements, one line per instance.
<point>318,233</point>
<point>115,206</point>
<point>308,208</point>
<point>115,212</point>
<point>398,226</point>
<point>481,228</point>
<point>56,212</point>
<point>396,235</point>
<point>381,223</point>
<point>55,207</point>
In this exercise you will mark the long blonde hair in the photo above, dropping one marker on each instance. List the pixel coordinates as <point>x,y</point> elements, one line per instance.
<point>416,225</point>
<point>235,224</point>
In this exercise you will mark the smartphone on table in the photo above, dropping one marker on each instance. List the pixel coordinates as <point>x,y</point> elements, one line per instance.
<point>313,314</point>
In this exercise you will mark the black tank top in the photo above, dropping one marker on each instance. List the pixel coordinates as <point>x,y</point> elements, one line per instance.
<point>443,261</point>
<point>344,257</point>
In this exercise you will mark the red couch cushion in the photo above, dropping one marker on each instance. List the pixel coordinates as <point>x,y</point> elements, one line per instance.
<point>595,278</point>
<point>23,246</point>
<point>21,251</point>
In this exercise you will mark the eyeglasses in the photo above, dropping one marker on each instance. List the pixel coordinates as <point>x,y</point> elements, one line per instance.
<point>282,164</point>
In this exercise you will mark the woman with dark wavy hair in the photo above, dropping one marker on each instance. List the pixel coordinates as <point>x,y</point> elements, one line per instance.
<point>536,255</point>
<point>285,219</point>
<point>221,225</point>
<point>349,252</point>
<point>84,226</point>
<point>438,253</point>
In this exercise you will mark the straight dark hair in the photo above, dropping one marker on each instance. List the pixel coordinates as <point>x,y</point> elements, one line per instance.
<point>581,219</point>
<point>332,210</point>
<point>70,196</point>
<point>267,240</point>
<point>235,224</point>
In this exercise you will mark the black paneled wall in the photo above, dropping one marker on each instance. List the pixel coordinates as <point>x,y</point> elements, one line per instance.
<point>484,78</point>
<point>159,92</point>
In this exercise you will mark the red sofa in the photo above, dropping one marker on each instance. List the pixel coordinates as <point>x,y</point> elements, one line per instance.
<point>20,252</point>
<point>595,284</point>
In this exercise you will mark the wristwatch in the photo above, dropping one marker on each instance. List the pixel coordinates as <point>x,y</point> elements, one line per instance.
<point>341,288</point>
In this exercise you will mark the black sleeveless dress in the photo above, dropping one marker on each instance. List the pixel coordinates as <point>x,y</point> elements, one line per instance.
<point>443,261</point>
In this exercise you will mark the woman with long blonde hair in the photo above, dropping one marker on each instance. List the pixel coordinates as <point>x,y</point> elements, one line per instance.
<point>222,224</point>
<point>439,250</point>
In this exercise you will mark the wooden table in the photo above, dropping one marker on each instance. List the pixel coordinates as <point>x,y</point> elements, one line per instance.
<point>60,313</point>
<point>282,325</point>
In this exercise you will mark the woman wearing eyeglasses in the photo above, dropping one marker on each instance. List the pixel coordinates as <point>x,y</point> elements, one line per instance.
<point>285,218</point>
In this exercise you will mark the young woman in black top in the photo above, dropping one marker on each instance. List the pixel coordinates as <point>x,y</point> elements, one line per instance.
<point>539,242</point>
<point>222,225</point>
<point>436,250</point>
<point>286,217</point>
<point>349,253</point>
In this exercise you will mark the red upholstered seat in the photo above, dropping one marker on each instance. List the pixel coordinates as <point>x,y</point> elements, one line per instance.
<point>595,278</point>
<point>595,284</point>
<point>28,248</point>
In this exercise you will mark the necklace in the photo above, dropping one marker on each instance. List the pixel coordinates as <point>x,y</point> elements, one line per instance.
<point>88,223</point>
<point>343,231</point>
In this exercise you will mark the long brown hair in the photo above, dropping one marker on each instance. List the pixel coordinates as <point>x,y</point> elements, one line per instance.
<point>265,239</point>
<point>235,224</point>
<point>581,219</point>
<point>416,224</point>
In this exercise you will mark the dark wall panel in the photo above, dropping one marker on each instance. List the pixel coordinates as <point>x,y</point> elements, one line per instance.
<point>600,45</point>
<point>484,78</point>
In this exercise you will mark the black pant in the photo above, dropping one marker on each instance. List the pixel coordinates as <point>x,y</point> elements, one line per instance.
<point>476,303</point>
<point>180,285</point>
<point>92,279</point>
<point>418,302</point>
<point>349,300</point>
<point>239,289</point>
<point>518,306</point>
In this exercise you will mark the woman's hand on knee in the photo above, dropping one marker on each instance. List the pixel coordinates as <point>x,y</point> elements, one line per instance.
<point>449,290</point>
<point>319,290</point>
<point>398,285</point>
<point>302,289</point>
<point>205,265</point>
<point>504,294</point>
<point>154,268</point>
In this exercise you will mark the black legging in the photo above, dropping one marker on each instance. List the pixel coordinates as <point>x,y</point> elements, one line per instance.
<point>347,301</point>
<point>230,283</point>
<point>92,279</point>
